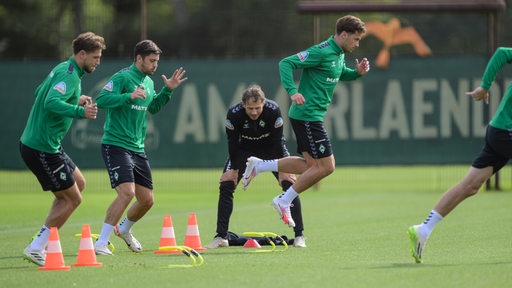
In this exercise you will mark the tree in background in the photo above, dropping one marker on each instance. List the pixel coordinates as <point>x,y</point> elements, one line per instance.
<point>34,29</point>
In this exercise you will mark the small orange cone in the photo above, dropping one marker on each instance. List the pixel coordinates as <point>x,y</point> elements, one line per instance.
<point>167,238</point>
<point>192,238</point>
<point>54,259</point>
<point>86,254</point>
<point>251,243</point>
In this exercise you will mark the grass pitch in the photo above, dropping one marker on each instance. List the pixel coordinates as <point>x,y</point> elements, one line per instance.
<point>355,225</point>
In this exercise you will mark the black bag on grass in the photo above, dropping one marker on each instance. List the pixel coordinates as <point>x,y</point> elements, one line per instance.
<point>239,240</point>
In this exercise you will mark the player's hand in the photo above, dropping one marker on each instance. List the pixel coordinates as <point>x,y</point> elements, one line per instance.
<point>84,99</point>
<point>286,176</point>
<point>479,94</point>
<point>176,79</point>
<point>91,110</point>
<point>298,99</point>
<point>229,175</point>
<point>362,67</point>
<point>139,93</point>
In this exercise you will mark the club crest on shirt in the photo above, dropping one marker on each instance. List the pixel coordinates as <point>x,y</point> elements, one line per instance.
<point>262,123</point>
<point>303,55</point>
<point>229,125</point>
<point>109,86</point>
<point>61,87</point>
<point>279,122</point>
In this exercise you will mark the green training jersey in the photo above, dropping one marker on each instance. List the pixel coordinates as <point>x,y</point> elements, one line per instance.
<point>54,108</point>
<point>126,120</point>
<point>322,65</point>
<point>502,119</point>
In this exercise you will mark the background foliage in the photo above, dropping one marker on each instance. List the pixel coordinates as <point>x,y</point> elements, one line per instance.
<point>34,29</point>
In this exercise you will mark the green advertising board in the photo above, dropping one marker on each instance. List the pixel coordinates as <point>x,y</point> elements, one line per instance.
<point>414,112</point>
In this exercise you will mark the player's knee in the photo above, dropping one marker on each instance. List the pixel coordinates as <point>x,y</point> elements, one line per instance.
<point>79,179</point>
<point>472,189</point>
<point>227,187</point>
<point>80,183</point>
<point>148,202</point>
<point>74,200</point>
<point>77,201</point>
<point>327,170</point>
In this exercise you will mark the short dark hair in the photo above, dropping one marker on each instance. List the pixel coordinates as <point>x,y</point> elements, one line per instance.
<point>145,48</point>
<point>350,24</point>
<point>254,93</point>
<point>89,42</point>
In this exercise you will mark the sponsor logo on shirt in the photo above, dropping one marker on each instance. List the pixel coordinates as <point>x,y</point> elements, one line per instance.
<point>323,45</point>
<point>109,86</point>
<point>303,55</point>
<point>279,122</point>
<point>262,136</point>
<point>332,80</point>
<point>229,125</point>
<point>138,107</point>
<point>61,87</point>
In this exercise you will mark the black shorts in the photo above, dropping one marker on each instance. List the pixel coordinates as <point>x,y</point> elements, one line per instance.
<point>312,138</point>
<point>54,171</point>
<point>125,166</point>
<point>497,149</point>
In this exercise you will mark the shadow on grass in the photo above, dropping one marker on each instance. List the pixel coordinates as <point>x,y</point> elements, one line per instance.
<point>427,265</point>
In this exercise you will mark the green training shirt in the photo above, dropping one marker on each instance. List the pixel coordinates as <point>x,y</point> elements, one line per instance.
<point>54,108</point>
<point>126,120</point>
<point>322,65</point>
<point>502,119</point>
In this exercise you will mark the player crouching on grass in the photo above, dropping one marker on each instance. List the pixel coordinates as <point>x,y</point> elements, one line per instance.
<point>253,127</point>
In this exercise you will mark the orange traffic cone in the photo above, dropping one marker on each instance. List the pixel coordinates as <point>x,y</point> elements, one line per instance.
<point>167,238</point>
<point>252,243</point>
<point>54,259</point>
<point>192,238</point>
<point>86,254</point>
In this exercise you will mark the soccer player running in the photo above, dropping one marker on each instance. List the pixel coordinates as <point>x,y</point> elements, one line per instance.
<point>495,154</point>
<point>58,101</point>
<point>253,127</point>
<point>128,96</point>
<point>323,65</point>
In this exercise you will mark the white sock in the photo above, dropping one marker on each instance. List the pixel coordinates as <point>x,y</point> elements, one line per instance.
<point>125,225</point>
<point>267,165</point>
<point>288,196</point>
<point>41,240</point>
<point>106,230</point>
<point>430,222</point>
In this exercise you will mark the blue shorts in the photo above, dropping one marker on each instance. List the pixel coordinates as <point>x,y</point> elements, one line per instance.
<point>125,166</point>
<point>497,150</point>
<point>54,171</point>
<point>312,138</point>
